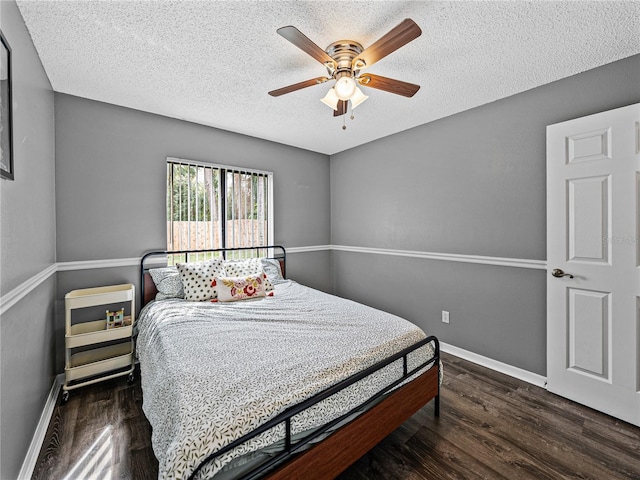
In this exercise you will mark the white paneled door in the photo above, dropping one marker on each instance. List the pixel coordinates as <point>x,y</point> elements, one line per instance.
<point>593,254</point>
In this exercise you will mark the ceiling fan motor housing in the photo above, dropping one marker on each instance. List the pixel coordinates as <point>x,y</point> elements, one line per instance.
<point>343,52</point>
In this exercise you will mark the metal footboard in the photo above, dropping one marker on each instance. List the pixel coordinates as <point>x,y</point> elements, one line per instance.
<point>286,416</point>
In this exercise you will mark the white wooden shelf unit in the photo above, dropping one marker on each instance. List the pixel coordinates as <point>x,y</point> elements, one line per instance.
<point>101,360</point>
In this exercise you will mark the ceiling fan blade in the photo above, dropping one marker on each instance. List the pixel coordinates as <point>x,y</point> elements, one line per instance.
<point>298,86</point>
<point>390,85</point>
<point>397,37</point>
<point>301,41</point>
<point>342,108</point>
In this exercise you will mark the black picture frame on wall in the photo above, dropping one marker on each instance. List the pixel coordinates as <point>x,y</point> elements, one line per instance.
<point>6,111</point>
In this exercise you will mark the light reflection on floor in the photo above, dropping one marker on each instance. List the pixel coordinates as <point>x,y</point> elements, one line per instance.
<point>95,463</point>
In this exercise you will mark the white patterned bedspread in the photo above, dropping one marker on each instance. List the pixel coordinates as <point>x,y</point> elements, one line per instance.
<point>211,372</point>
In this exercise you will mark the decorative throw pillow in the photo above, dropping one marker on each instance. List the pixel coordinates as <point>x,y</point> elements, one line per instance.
<point>198,279</point>
<point>250,266</point>
<point>168,283</point>
<point>231,289</point>
<point>271,267</point>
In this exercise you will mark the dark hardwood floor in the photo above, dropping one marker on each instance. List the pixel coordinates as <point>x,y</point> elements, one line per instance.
<point>491,426</point>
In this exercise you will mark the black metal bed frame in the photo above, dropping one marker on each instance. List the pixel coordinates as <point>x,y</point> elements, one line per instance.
<point>285,417</point>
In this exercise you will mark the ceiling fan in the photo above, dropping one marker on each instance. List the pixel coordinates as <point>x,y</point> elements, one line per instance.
<point>344,61</point>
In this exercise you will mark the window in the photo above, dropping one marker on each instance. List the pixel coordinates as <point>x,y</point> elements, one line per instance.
<point>215,206</point>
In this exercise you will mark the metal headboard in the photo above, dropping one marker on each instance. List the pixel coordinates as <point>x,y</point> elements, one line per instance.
<point>276,252</point>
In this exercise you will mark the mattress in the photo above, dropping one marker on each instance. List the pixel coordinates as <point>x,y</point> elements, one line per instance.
<point>212,372</point>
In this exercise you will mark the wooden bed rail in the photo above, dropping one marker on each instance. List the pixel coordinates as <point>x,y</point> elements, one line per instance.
<point>335,454</point>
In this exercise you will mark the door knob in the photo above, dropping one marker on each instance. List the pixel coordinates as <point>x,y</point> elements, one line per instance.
<point>557,272</point>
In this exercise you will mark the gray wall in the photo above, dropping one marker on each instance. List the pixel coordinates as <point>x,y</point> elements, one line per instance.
<point>27,237</point>
<point>111,187</point>
<point>472,183</point>
<point>111,173</point>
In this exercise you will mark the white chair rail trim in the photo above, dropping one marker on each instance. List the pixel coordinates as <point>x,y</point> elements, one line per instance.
<point>450,257</point>
<point>12,297</point>
<point>90,264</point>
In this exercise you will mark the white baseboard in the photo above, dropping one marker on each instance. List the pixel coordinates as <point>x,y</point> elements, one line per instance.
<point>520,374</point>
<point>31,458</point>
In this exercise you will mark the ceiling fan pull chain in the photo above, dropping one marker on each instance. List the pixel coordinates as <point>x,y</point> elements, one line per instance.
<point>344,127</point>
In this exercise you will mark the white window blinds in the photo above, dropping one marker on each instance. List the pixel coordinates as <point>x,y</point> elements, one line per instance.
<point>214,206</point>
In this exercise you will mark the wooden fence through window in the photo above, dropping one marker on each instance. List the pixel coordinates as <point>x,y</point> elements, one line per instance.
<point>200,235</point>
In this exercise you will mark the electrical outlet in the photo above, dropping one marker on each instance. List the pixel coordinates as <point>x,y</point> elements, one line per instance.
<point>445,316</point>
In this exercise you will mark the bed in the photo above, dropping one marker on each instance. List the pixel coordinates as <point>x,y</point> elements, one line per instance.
<point>285,383</point>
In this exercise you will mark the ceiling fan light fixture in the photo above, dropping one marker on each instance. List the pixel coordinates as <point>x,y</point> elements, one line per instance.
<point>331,99</point>
<point>357,98</point>
<point>345,88</point>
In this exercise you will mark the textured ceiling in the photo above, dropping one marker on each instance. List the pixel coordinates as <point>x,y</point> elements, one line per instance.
<point>213,62</point>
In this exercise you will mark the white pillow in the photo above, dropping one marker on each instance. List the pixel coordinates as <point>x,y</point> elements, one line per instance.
<point>198,279</point>
<point>271,267</point>
<point>250,266</point>
<point>231,289</point>
<point>168,283</point>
